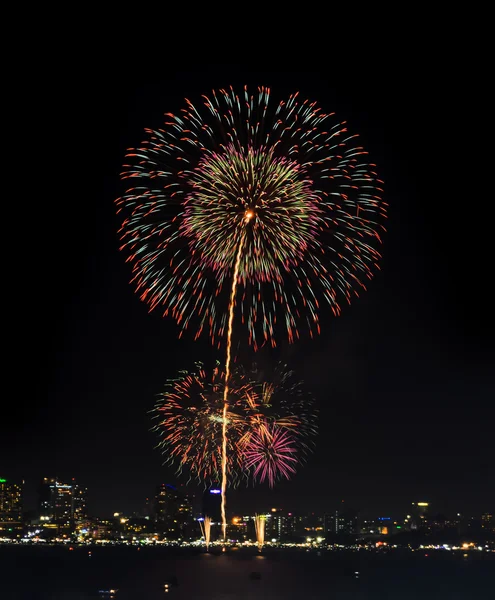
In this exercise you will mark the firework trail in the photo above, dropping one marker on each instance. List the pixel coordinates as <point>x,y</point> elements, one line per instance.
<point>259,525</point>
<point>282,197</point>
<point>247,218</point>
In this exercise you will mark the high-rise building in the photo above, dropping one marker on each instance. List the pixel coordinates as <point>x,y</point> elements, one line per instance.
<point>184,508</point>
<point>212,502</point>
<point>148,510</point>
<point>314,525</point>
<point>55,501</point>
<point>79,502</point>
<point>173,510</point>
<point>329,523</point>
<point>487,521</point>
<point>166,503</point>
<point>273,524</point>
<point>10,507</point>
<point>384,525</point>
<point>419,511</point>
<point>341,522</point>
<point>185,517</point>
<point>61,504</point>
<point>46,507</point>
<point>292,526</point>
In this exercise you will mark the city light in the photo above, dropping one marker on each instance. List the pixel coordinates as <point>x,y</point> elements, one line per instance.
<point>170,519</point>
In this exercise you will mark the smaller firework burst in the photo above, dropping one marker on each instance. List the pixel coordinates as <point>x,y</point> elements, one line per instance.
<point>282,429</point>
<point>271,423</point>
<point>190,422</point>
<point>270,453</point>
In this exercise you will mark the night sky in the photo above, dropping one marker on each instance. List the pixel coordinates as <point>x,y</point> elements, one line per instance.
<point>404,379</point>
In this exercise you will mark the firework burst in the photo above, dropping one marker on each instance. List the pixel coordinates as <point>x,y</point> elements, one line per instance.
<point>279,202</point>
<point>270,452</point>
<point>270,426</point>
<point>190,423</point>
<point>286,183</point>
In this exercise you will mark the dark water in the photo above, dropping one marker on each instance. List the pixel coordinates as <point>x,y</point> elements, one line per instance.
<point>47,573</point>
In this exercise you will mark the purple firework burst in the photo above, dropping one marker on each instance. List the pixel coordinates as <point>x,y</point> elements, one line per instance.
<point>270,453</point>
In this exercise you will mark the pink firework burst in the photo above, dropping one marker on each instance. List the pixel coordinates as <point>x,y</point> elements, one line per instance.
<point>270,453</point>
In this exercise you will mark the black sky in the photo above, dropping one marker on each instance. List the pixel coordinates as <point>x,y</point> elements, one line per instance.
<point>404,379</point>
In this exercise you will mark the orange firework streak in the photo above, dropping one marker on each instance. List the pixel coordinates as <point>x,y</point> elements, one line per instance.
<point>248,216</point>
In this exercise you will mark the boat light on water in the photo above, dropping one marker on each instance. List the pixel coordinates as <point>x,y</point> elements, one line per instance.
<point>107,593</point>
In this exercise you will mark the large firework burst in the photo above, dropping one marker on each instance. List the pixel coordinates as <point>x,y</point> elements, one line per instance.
<point>285,187</point>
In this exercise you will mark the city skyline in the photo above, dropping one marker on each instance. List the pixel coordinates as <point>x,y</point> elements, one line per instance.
<point>403,378</point>
<point>62,508</point>
<point>172,516</point>
<point>81,499</point>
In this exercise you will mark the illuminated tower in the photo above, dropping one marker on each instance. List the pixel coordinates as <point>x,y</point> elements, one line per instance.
<point>273,524</point>
<point>340,522</point>
<point>487,521</point>
<point>419,511</point>
<point>166,503</point>
<point>61,503</point>
<point>46,503</point>
<point>10,507</point>
<point>173,510</point>
<point>79,502</point>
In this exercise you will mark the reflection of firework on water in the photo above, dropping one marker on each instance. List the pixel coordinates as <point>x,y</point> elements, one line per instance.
<point>270,425</point>
<point>284,187</point>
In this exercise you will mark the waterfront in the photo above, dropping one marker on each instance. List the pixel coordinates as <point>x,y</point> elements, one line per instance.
<point>58,573</point>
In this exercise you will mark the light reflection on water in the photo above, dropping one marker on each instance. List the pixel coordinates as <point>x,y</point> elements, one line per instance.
<point>57,574</point>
